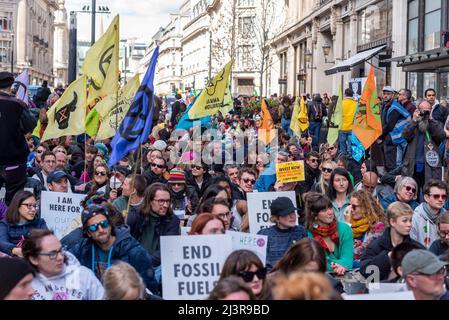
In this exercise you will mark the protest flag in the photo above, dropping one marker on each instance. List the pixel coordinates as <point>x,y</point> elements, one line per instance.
<point>66,116</point>
<point>294,125</point>
<point>136,126</point>
<point>266,127</point>
<point>303,117</point>
<point>336,119</point>
<point>22,81</point>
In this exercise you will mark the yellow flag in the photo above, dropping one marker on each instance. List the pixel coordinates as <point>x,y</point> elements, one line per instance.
<point>303,118</point>
<point>211,98</point>
<point>112,112</point>
<point>66,116</point>
<point>294,123</point>
<point>228,103</point>
<point>101,64</point>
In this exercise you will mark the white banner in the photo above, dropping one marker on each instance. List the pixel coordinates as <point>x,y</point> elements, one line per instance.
<point>61,211</point>
<point>252,242</point>
<point>259,205</point>
<point>191,265</point>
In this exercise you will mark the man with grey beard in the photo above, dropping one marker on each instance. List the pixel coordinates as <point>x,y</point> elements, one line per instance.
<point>423,134</point>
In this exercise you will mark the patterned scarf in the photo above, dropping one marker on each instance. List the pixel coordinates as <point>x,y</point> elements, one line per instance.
<point>319,232</point>
<point>359,227</point>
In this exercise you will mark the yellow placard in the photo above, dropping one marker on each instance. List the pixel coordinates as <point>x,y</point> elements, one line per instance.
<point>290,171</point>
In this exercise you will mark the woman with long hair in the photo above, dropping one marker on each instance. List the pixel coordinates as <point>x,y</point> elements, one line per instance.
<point>100,180</point>
<point>334,236</point>
<point>21,217</point>
<point>367,221</point>
<point>326,168</point>
<point>339,189</point>
<point>248,266</point>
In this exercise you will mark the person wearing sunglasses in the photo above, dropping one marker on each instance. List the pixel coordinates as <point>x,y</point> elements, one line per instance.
<point>425,220</point>
<point>21,217</point>
<point>405,190</point>
<point>104,243</point>
<point>248,266</point>
<point>156,171</point>
<point>100,181</point>
<point>247,180</point>
<point>184,197</point>
<point>425,275</point>
<point>440,247</point>
<point>311,171</point>
<point>326,168</point>
<point>59,275</point>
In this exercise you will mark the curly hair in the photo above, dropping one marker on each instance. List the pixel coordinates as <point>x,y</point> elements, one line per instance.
<point>370,207</point>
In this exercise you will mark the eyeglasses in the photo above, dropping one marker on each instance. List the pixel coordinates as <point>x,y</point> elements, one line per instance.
<point>53,254</point>
<point>30,205</point>
<point>100,173</point>
<point>160,166</point>
<point>327,170</point>
<point>313,160</point>
<point>440,273</point>
<point>224,216</point>
<point>438,196</point>
<point>443,234</point>
<point>197,167</point>
<point>40,151</point>
<point>248,276</point>
<point>252,181</point>
<point>162,201</point>
<point>330,149</point>
<point>408,188</point>
<point>94,227</point>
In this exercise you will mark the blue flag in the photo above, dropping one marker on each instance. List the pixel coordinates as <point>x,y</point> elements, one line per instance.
<point>137,124</point>
<point>186,123</point>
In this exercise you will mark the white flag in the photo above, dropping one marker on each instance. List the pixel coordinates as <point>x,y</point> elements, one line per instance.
<point>22,81</point>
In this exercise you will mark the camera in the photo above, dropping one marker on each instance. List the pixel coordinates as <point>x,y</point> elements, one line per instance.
<point>424,114</point>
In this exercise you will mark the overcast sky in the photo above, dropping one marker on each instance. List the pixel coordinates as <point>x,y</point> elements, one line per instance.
<point>138,18</point>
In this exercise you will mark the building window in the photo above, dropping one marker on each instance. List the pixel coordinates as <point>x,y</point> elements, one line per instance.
<point>6,21</point>
<point>246,3</point>
<point>432,24</point>
<point>245,56</point>
<point>413,23</point>
<point>5,51</point>
<point>375,22</point>
<point>412,83</point>
<point>246,26</point>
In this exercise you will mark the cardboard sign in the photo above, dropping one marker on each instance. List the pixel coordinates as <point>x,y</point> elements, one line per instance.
<point>259,205</point>
<point>406,295</point>
<point>61,211</point>
<point>290,171</point>
<point>253,242</point>
<point>3,192</point>
<point>191,265</point>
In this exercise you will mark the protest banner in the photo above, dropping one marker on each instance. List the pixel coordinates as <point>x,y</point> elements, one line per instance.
<point>191,265</point>
<point>290,171</point>
<point>61,211</point>
<point>3,192</point>
<point>259,205</point>
<point>252,242</point>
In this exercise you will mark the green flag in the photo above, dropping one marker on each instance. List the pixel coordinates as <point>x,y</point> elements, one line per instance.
<point>336,120</point>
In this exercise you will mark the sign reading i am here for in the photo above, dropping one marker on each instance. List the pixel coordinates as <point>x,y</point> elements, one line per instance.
<point>61,211</point>
<point>290,171</point>
<point>191,265</point>
<point>259,205</point>
<point>256,243</point>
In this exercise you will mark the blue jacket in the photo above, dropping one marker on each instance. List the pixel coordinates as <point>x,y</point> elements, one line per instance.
<point>386,201</point>
<point>125,248</point>
<point>11,234</point>
<point>279,241</point>
<point>267,178</point>
<point>167,226</point>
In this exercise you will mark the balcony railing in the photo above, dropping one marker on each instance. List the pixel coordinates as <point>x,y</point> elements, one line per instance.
<point>374,44</point>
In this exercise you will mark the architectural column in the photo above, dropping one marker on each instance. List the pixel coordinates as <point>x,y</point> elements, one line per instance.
<point>399,38</point>
<point>338,52</point>
<point>21,32</point>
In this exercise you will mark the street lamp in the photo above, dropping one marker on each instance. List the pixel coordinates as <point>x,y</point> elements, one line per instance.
<point>308,55</point>
<point>101,9</point>
<point>326,51</point>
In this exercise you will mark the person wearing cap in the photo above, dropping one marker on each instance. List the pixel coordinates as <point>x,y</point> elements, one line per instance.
<point>16,276</point>
<point>58,182</point>
<point>15,122</point>
<point>334,236</point>
<point>59,275</point>
<point>285,232</point>
<point>425,275</point>
<point>184,197</point>
<point>103,243</point>
<point>21,218</point>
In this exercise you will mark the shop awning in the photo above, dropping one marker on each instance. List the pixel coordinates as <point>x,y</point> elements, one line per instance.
<point>423,61</point>
<point>347,64</point>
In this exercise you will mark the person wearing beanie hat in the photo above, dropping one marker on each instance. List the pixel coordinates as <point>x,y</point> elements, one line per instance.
<point>102,149</point>
<point>184,197</point>
<point>160,145</point>
<point>16,276</point>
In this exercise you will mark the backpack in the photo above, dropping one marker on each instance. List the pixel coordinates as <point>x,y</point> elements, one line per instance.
<point>287,113</point>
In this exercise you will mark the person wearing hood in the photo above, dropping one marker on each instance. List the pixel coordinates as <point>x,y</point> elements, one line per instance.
<point>425,220</point>
<point>21,217</point>
<point>103,244</point>
<point>59,275</point>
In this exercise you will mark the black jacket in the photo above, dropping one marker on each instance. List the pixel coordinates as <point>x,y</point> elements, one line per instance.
<point>166,226</point>
<point>152,178</point>
<point>15,121</point>
<point>376,254</point>
<point>190,180</point>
